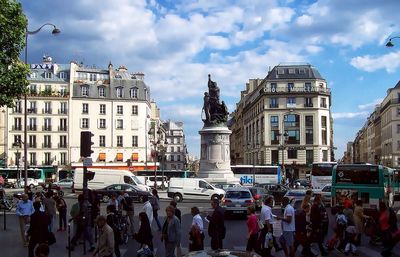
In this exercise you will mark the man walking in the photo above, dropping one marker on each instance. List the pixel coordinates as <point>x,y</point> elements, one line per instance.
<point>24,210</point>
<point>216,227</point>
<point>148,209</point>
<point>288,228</point>
<point>316,220</point>
<point>38,230</point>
<point>50,208</point>
<point>266,218</point>
<point>105,242</point>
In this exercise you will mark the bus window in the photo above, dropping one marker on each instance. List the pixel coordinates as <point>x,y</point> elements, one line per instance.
<point>359,175</point>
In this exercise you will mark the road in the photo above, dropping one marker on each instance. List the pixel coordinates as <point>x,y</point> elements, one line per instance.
<point>236,235</point>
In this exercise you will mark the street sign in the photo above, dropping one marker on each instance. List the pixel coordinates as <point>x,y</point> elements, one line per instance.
<point>87,161</point>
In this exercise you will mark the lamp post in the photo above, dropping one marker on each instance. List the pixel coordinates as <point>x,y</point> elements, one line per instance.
<point>18,144</point>
<point>283,138</point>
<point>55,31</point>
<point>162,151</point>
<point>389,43</point>
<point>157,136</point>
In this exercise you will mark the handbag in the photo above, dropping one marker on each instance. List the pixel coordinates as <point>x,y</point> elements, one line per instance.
<point>260,224</point>
<point>51,238</point>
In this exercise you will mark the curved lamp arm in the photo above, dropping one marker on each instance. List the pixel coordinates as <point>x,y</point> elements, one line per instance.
<point>55,29</point>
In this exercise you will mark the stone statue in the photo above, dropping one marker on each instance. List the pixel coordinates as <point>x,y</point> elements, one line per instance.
<point>215,112</point>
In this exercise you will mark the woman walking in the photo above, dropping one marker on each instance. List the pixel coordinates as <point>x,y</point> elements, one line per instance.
<point>252,228</point>
<point>62,212</point>
<point>155,204</point>
<point>171,232</point>
<point>144,236</point>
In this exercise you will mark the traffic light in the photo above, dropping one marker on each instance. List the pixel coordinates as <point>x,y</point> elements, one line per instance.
<point>90,175</point>
<point>86,143</point>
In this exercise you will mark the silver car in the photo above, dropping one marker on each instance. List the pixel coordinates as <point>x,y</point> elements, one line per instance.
<point>236,200</point>
<point>65,183</point>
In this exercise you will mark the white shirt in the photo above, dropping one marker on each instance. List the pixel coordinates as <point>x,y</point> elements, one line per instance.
<point>113,202</point>
<point>197,220</point>
<point>266,214</point>
<point>289,211</point>
<point>149,211</point>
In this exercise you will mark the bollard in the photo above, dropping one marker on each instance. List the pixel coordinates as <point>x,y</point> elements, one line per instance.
<point>69,238</point>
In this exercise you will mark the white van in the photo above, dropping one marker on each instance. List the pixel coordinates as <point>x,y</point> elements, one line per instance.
<point>106,177</point>
<point>149,181</point>
<point>192,188</point>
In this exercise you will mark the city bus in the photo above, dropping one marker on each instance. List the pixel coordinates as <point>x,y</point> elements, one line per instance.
<point>14,176</point>
<point>367,182</point>
<point>321,174</point>
<point>259,174</point>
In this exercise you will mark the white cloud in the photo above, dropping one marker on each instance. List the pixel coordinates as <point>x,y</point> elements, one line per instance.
<point>304,20</point>
<point>370,106</point>
<point>218,42</point>
<point>390,62</point>
<point>349,115</point>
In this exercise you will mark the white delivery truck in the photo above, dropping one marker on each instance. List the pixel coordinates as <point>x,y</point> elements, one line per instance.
<point>107,177</point>
<point>193,188</point>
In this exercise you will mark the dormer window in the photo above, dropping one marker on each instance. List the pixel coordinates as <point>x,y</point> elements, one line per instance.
<point>85,90</point>
<point>47,75</point>
<point>281,71</point>
<point>92,77</point>
<point>102,92</point>
<point>133,92</point>
<point>292,71</point>
<point>63,75</point>
<point>120,92</point>
<point>34,75</point>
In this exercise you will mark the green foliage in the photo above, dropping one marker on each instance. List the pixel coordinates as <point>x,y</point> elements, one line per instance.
<point>13,72</point>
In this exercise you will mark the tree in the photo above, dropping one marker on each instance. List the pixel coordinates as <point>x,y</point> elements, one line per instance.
<point>13,72</point>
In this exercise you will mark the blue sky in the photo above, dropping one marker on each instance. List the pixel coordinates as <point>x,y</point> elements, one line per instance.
<point>177,43</point>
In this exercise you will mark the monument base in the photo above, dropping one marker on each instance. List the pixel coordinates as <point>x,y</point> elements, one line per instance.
<point>215,163</point>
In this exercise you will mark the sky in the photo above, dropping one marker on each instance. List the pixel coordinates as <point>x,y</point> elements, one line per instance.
<point>176,43</point>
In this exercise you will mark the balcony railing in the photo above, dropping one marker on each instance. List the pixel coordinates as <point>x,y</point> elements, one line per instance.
<point>291,105</point>
<point>17,110</point>
<point>32,110</point>
<point>32,145</point>
<point>62,145</point>
<point>46,128</point>
<point>274,106</point>
<point>62,111</point>
<point>48,111</point>
<point>48,145</point>
<point>32,127</point>
<point>33,163</point>
<point>62,128</point>
<point>308,105</point>
<point>17,127</point>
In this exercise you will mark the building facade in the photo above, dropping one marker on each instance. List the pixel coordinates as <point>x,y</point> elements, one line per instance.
<point>378,141</point>
<point>176,152</point>
<point>287,120</point>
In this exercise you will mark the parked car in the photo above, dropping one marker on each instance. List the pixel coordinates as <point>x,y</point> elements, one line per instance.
<point>237,200</point>
<point>135,192</point>
<point>295,194</point>
<point>259,195</point>
<point>276,190</point>
<point>225,186</point>
<point>65,183</point>
<point>192,188</point>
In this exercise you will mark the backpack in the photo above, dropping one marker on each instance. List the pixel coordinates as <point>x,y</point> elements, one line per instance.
<point>341,220</point>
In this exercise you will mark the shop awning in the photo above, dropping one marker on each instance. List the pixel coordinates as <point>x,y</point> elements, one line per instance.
<point>120,157</point>
<point>135,157</point>
<point>102,157</point>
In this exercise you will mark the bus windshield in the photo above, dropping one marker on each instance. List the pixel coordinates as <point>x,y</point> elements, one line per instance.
<point>322,169</point>
<point>357,175</point>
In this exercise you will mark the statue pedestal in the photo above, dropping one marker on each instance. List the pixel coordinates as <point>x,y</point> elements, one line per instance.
<point>215,161</point>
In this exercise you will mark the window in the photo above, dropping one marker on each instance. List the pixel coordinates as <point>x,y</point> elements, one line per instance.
<point>274,102</point>
<point>309,121</point>
<point>102,141</point>
<point>291,101</point>
<point>178,158</point>
<point>84,91</point>
<point>92,77</point>
<point>34,75</point>
<point>292,120</point>
<point>47,141</point>
<point>32,141</point>
<point>63,158</point>
<point>308,102</point>
<point>17,140</point>
<point>293,136</point>
<point>309,136</point>
<point>32,107</point>
<point>274,137</point>
<point>32,159</point>
<point>85,108</point>
<point>357,175</point>
<point>307,87</point>
<point>63,75</point>
<point>17,124</point>
<point>134,141</point>
<point>172,158</point>
<point>273,87</point>
<point>398,128</point>
<point>323,102</point>
<point>47,88</point>
<point>33,89</point>
<point>32,124</point>
<point>102,123</point>
<point>120,92</point>
<point>134,110</point>
<point>18,107</point>
<point>85,123</point>
<point>120,141</point>
<point>323,121</point>
<point>292,154</point>
<point>324,155</point>
<point>309,156</point>
<point>274,121</point>
<point>101,92</point>
<point>120,124</point>
<point>302,71</point>
<point>63,142</point>
<point>292,71</point>
<point>398,111</point>
<point>290,87</point>
<point>63,125</point>
<point>281,71</point>
<point>47,124</point>
<point>274,157</point>
<point>324,137</point>
<point>133,92</point>
<point>47,75</point>
<point>47,107</point>
<point>64,107</point>
<point>172,149</point>
<point>178,149</point>
<point>120,109</point>
<point>47,158</point>
<point>102,109</point>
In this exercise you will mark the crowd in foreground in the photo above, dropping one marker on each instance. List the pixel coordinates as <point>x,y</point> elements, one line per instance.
<point>303,227</point>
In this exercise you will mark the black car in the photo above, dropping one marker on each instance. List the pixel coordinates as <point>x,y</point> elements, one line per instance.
<point>276,190</point>
<point>133,191</point>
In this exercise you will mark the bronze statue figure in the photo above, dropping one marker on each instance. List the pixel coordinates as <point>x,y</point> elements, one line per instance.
<point>215,112</point>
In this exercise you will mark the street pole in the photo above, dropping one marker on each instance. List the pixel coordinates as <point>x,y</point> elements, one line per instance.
<point>254,174</point>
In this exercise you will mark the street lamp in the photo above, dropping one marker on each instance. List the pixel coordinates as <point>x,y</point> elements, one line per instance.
<point>157,136</point>
<point>283,138</point>
<point>55,31</point>
<point>389,43</point>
